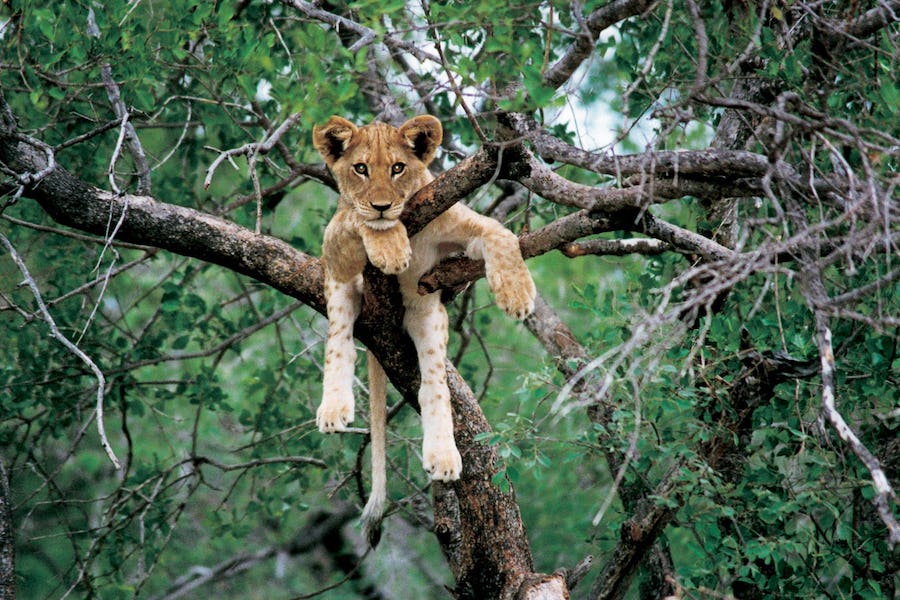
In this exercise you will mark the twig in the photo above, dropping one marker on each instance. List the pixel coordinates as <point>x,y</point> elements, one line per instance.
<point>114,158</point>
<point>456,90</point>
<point>128,132</point>
<point>28,179</point>
<point>184,130</point>
<point>71,234</point>
<point>607,15</point>
<point>274,460</point>
<point>102,279</point>
<point>252,150</point>
<point>111,235</point>
<point>366,35</point>
<point>56,333</point>
<point>651,57</point>
<point>884,493</point>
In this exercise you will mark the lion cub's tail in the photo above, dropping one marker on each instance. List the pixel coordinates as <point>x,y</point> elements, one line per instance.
<point>374,510</point>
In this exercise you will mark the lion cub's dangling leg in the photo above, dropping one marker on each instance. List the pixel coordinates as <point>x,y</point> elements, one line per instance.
<point>343,301</point>
<point>426,322</point>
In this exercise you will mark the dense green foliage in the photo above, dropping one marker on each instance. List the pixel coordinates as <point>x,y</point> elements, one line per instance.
<point>213,379</point>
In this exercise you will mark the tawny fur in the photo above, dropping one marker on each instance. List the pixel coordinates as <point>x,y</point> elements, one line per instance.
<point>378,168</point>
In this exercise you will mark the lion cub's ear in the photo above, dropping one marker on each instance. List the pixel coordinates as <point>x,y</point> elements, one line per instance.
<point>332,138</point>
<point>423,134</point>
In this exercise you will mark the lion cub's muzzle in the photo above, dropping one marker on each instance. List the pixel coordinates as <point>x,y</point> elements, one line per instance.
<point>382,215</point>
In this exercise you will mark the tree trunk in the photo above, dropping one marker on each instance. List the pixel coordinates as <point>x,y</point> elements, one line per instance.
<point>7,541</point>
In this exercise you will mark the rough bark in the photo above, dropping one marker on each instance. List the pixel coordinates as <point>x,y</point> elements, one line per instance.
<point>502,561</point>
<point>7,541</point>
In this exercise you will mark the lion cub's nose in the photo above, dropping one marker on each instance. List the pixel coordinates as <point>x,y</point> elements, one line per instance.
<point>380,207</point>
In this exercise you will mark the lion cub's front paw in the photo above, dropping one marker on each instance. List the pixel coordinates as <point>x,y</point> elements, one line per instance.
<point>441,459</point>
<point>391,261</point>
<point>514,294</point>
<point>334,415</point>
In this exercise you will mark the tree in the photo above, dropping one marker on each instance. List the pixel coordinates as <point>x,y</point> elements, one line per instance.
<point>705,399</point>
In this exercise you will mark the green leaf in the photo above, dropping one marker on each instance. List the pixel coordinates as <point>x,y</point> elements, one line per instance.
<point>890,94</point>
<point>226,13</point>
<point>46,22</point>
<point>499,479</point>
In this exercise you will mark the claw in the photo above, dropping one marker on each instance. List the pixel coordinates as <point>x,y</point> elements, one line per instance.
<point>333,417</point>
<point>443,464</point>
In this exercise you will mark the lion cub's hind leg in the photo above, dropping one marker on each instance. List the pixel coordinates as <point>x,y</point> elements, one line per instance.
<point>343,301</point>
<point>426,322</point>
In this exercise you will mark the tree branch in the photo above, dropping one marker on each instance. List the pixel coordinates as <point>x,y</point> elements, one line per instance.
<point>456,271</point>
<point>365,34</point>
<point>885,496</point>
<point>71,347</point>
<point>121,111</point>
<point>310,537</point>
<point>605,16</point>
<point>870,22</point>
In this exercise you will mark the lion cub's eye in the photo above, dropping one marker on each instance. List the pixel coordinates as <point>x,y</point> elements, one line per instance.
<point>361,168</point>
<point>397,168</point>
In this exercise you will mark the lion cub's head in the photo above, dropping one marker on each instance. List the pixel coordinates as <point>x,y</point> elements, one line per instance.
<point>377,166</point>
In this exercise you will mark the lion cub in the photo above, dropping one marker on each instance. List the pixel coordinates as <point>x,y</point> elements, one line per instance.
<point>378,168</point>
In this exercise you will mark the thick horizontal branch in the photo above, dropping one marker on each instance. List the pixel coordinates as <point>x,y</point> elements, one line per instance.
<point>870,22</point>
<point>623,247</point>
<point>450,187</point>
<point>455,272</point>
<point>700,178</point>
<point>709,174</point>
<point>181,230</point>
<point>710,162</point>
